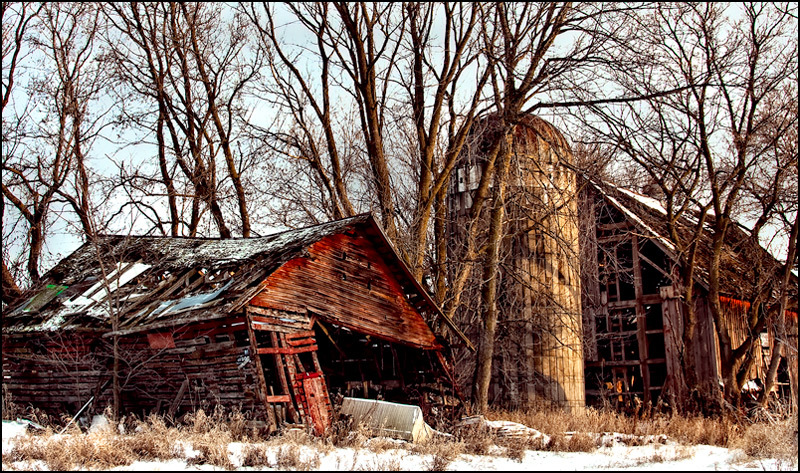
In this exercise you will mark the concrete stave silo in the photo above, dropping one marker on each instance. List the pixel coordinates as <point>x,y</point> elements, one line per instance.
<point>539,354</point>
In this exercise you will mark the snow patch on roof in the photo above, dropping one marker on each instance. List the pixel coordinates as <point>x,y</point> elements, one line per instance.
<point>242,249</point>
<point>654,204</point>
<point>638,220</point>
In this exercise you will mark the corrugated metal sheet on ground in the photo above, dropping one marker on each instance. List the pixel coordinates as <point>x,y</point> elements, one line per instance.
<point>389,419</point>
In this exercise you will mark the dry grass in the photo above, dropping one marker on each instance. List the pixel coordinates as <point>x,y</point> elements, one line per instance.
<point>475,440</point>
<point>384,464</point>
<point>770,440</point>
<point>70,452</point>
<point>293,449</point>
<point>443,450</point>
<point>344,433</point>
<point>153,438</point>
<point>577,442</point>
<point>690,430</point>
<point>10,409</point>
<point>381,444</point>
<point>256,455</point>
<point>149,439</point>
<point>297,458</point>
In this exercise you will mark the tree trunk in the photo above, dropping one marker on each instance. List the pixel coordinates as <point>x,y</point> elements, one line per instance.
<point>10,289</point>
<point>780,324</point>
<point>483,368</point>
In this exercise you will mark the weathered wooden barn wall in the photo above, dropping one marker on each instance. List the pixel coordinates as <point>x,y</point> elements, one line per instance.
<point>627,321</point>
<point>59,383</point>
<point>342,285</point>
<point>634,314</point>
<point>791,358</point>
<point>345,280</point>
<point>169,371</point>
<point>204,322</point>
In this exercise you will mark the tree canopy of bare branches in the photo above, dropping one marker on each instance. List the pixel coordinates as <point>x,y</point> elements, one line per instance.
<point>229,120</point>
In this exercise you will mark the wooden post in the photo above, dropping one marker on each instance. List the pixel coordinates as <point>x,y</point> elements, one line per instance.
<point>261,382</point>
<point>280,368</point>
<point>641,321</point>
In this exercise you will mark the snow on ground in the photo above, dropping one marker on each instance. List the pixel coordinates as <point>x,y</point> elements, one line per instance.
<point>660,454</point>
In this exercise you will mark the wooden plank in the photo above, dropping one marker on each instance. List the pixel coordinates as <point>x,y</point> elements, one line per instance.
<point>301,342</point>
<point>298,363</point>
<point>298,315</point>
<point>280,368</point>
<point>641,322</point>
<point>261,383</point>
<point>245,298</point>
<point>178,397</point>
<point>315,359</point>
<point>273,328</point>
<point>319,409</point>
<point>263,319</point>
<point>303,334</point>
<point>292,375</point>
<point>282,398</point>
<point>286,350</point>
<point>154,298</point>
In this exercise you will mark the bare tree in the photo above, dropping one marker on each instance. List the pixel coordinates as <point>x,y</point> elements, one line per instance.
<point>704,144</point>
<point>189,62</point>
<point>16,20</point>
<point>530,62</point>
<point>50,163</point>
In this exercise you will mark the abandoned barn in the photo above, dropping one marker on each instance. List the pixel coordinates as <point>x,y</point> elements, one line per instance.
<point>633,312</point>
<point>275,326</point>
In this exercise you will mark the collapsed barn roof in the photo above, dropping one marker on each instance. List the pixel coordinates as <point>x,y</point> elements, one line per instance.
<point>740,256</point>
<point>145,280</point>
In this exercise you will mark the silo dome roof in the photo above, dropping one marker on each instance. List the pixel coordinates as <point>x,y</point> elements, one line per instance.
<point>530,131</point>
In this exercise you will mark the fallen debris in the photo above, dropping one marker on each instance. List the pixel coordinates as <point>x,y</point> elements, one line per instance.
<point>389,419</point>
<point>504,428</point>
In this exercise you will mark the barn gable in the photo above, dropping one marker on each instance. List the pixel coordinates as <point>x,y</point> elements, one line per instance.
<point>632,304</point>
<point>344,280</point>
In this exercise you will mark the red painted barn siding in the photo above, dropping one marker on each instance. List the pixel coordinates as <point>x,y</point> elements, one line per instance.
<point>345,281</point>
